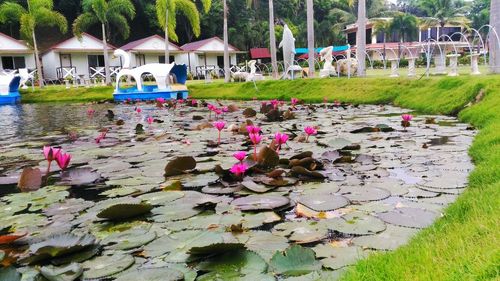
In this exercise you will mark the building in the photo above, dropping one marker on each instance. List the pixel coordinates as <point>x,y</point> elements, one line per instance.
<point>206,55</point>
<point>78,59</point>
<point>15,54</point>
<point>374,37</point>
<point>151,50</point>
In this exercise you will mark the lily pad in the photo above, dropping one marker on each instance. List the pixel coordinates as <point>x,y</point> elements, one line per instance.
<point>233,265</point>
<point>129,239</point>
<point>260,202</point>
<point>104,266</point>
<point>268,158</point>
<point>323,202</point>
<point>338,257</point>
<point>390,239</point>
<point>363,194</point>
<point>69,272</point>
<point>152,274</point>
<point>124,211</point>
<point>266,244</point>
<point>355,223</point>
<point>79,176</point>
<point>409,217</point>
<point>179,166</point>
<point>9,274</point>
<point>295,261</point>
<point>30,179</point>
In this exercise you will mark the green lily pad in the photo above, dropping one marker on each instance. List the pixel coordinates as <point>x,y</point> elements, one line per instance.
<point>124,211</point>
<point>9,274</point>
<point>152,274</point>
<point>355,223</point>
<point>338,257</point>
<point>69,272</point>
<point>363,194</point>
<point>233,265</point>
<point>266,244</point>
<point>129,239</point>
<point>260,202</point>
<point>390,239</point>
<point>104,266</point>
<point>323,202</point>
<point>301,231</point>
<point>79,176</point>
<point>295,261</point>
<point>179,166</point>
<point>409,217</point>
<point>161,197</point>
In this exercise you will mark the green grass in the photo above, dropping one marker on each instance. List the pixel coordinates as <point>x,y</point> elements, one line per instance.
<point>60,94</point>
<point>463,245</point>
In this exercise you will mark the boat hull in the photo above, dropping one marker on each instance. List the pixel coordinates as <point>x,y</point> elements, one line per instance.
<point>11,98</point>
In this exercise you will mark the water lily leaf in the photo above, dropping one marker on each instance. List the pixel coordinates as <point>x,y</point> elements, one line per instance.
<point>260,202</point>
<point>104,266</point>
<point>9,274</point>
<point>363,194</point>
<point>199,180</point>
<point>331,156</point>
<point>302,155</point>
<point>69,272</point>
<point>266,244</point>
<point>2,255</point>
<point>259,188</point>
<point>30,179</point>
<point>409,217</point>
<point>355,223</point>
<point>124,211</point>
<point>267,157</point>
<point>323,202</point>
<point>231,265</point>
<point>301,171</point>
<point>129,239</point>
<point>79,176</point>
<point>58,246</point>
<point>295,261</point>
<point>390,239</point>
<point>69,206</point>
<point>338,143</point>
<point>161,197</point>
<point>152,274</point>
<point>338,257</point>
<point>249,112</point>
<point>179,166</point>
<point>9,238</point>
<point>301,231</point>
<point>79,256</point>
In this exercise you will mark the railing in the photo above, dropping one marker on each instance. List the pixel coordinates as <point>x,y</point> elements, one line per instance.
<point>66,73</point>
<point>100,72</point>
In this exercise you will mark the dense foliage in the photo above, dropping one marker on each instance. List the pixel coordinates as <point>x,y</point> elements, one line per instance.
<point>248,24</point>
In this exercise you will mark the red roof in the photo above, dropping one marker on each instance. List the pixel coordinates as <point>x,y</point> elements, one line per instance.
<point>195,46</point>
<point>136,43</point>
<point>259,53</point>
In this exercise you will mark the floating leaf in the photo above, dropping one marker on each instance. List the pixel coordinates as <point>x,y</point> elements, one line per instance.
<point>355,223</point>
<point>124,211</point>
<point>232,265</point>
<point>301,171</point>
<point>129,239</point>
<point>30,179</point>
<point>69,272</point>
<point>260,202</point>
<point>338,257</point>
<point>323,202</point>
<point>295,261</point>
<point>180,165</point>
<point>409,217</point>
<point>104,266</point>
<point>267,157</point>
<point>9,274</point>
<point>390,239</point>
<point>266,244</point>
<point>152,274</point>
<point>249,112</point>
<point>79,176</point>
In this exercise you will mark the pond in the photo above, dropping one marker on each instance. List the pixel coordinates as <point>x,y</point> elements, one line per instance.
<point>151,194</point>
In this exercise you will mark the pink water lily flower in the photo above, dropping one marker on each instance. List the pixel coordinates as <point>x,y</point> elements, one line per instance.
<point>50,154</point>
<point>310,131</point>
<point>63,160</point>
<point>407,117</point>
<point>239,169</point>
<point>194,102</point>
<point>90,111</point>
<point>150,120</point>
<point>240,155</point>
<point>138,110</point>
<point>275,103</point>
<point>160,100</point>
<point>294,101</point>
<point>219,125</point>
<point>255,139</point>
<point>280,139</point>
<point>253,129</point>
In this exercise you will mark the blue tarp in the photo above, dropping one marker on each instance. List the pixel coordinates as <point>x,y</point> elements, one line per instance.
<point>300,51</point>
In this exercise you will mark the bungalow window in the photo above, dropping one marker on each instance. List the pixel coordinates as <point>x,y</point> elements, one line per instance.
<point>161,59</point>
<point>140,59</point>
<point>220,61</point>
<point>13,62</point>
<point>96,60</point>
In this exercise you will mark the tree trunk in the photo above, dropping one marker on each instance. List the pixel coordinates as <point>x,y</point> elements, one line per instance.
<point>167,51</point>
<point>361,38</point>
<point>106,58</point>
<point>310,36</point>
<point>272,40</point>
<point>494,39</point>
<point>37,61</point>
<point>227,73</point>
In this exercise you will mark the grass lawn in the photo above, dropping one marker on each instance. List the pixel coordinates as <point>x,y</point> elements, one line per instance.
<point>463,244</point>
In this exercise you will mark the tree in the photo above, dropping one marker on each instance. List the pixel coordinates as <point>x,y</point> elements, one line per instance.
<point>272,36</point>
<point>38,13</point>
<point>405,25</point>
<point>361,38</point>
<point>107,13</point>
<point>442,12</point>
<point>479,13</point>
<point>494,40</point>
<point>227,74</point>
<point>166,11</point>
<point>382,26</point>
<point>310,36</point>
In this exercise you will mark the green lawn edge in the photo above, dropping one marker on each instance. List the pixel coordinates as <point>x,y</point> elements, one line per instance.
<point>463,244</point>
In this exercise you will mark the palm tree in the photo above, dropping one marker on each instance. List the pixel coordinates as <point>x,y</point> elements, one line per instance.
<point>107,13</point>
<point>167,17</point>
<point>227,76</point>
<point>39,13</point>
<point>272,35</point>
<point>443,12</point>
<point>310,36</point>
<point>382,26</point>
<point>406,25</point>
<point>361,38</point>
<point>494,43</point>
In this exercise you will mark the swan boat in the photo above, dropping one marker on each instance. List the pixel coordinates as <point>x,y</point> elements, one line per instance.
<point>170,80</point>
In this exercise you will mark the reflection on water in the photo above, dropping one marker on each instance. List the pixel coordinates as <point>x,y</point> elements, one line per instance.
<point>36,120</point>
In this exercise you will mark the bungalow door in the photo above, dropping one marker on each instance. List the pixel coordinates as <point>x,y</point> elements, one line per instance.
<point>96,66</point>
<point>66,69</point>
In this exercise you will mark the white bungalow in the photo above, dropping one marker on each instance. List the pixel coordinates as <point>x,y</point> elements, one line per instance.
<point>78,59</point>
<point>150,50</point>
<point>15,54</point>
<point>206,55</point>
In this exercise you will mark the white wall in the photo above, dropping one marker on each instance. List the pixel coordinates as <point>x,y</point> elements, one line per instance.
<point>51,61</point>
<point>29,59</point>
<point>197,59</point>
